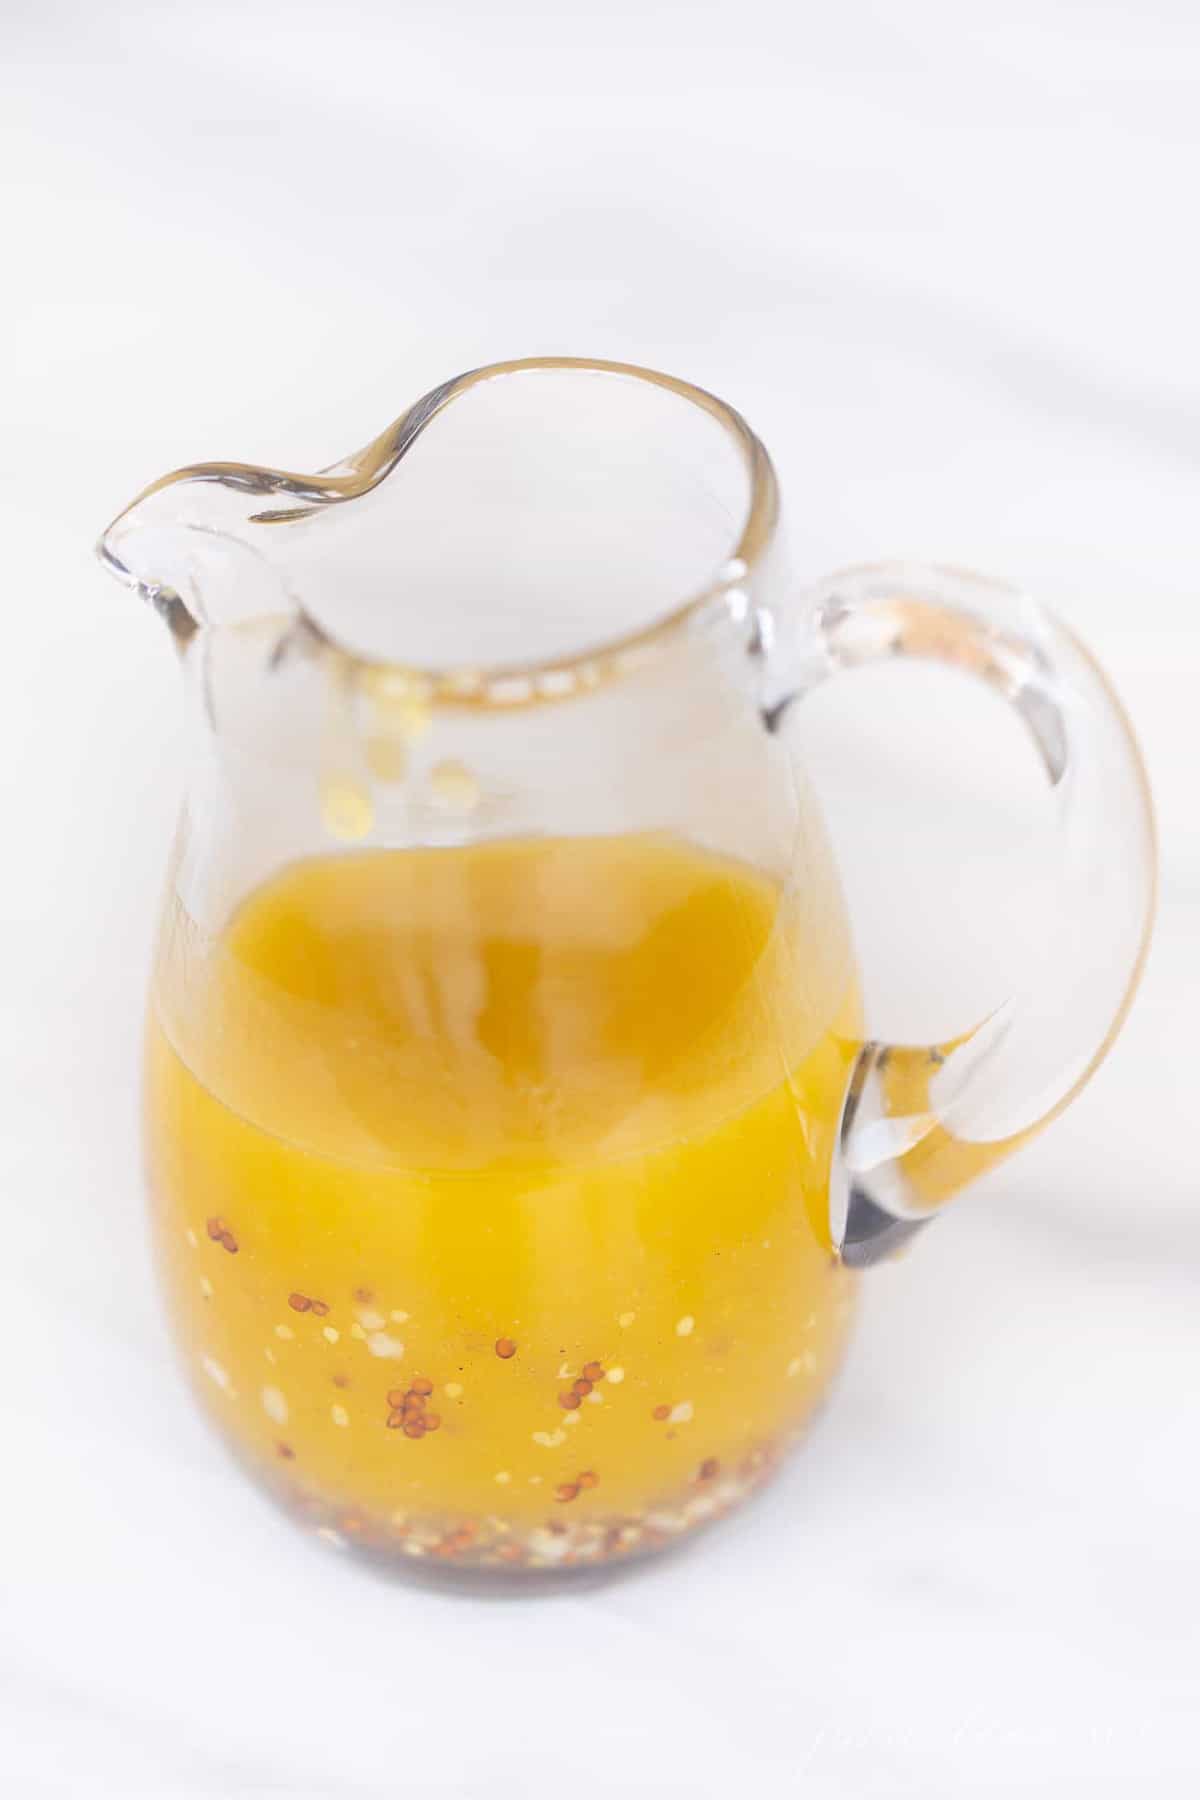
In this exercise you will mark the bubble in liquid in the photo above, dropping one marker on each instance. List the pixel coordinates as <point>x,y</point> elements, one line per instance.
<point>453,787</point>
<point>346,807</point>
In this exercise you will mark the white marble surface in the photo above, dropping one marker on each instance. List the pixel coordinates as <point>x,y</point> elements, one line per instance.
<point>944,259</point>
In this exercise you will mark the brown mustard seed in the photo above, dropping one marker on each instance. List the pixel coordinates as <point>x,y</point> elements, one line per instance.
<point>593,1371</point>
<point>396,1397</point>
<point>431,1421</point>
<point>299,1302</point>
<point>286,1451</point>
<point>582,1386</point>
<point>421,1386</point>
<point>320,1307</point>
<point>569,1401</point>
<point>567,1490</point>
<point>505,1348</point>
<point>709,1467</point>
<point>588,1479</point>
<point>413,1428</point>
<point>215,1229</point>
<point>395,1420</point>
<point>661,1412</point>
<point>229,1242</point>
<point>414,1405</point>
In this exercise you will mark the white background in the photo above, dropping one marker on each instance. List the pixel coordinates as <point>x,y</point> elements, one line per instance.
<point>943,257</point>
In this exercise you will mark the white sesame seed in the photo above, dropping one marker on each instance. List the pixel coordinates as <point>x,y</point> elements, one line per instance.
<point>617,1375</point>
<point>192,1239</point>
<point>212,1368</point>
<point>535,1481</point>
<point>398,1316</point>
<point>806,1361</point>
<point>356,1330</point>
<point>548,1439</point>
<point>370,1320</point>
<point>453,1390</point>
<point>595,1398</point>
<point>565,1371</point>
<point>625,1320</point>
<point>284,1331</point>
<point>685,1326</point>
<point>680,1414</point>
<point>339,1415</point>
<point>275,1405</point>
<point>380,1344</point>
<point>572,1418</point>
<point>206,1287</point>
<point>503,1477</point>
<point>330,1333</point>
<point>270,1355</point>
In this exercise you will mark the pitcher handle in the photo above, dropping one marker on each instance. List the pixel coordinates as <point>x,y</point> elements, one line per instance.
<point>920,1121</point>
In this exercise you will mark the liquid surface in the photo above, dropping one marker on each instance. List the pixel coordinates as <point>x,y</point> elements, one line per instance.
<point>490,1189</point>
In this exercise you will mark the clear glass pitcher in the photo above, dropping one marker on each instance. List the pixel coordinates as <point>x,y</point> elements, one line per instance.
<point>514,1134</point>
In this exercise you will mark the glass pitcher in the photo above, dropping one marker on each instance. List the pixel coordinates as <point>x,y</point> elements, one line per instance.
<point>514,1133</point>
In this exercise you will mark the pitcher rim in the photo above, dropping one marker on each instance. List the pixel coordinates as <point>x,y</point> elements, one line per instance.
<point>508,683</point>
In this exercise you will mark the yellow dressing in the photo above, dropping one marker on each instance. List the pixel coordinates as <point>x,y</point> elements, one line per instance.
<point>456,1126</point>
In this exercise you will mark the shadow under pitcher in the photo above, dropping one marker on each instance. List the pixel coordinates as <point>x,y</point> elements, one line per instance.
<point>514,1133</point>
